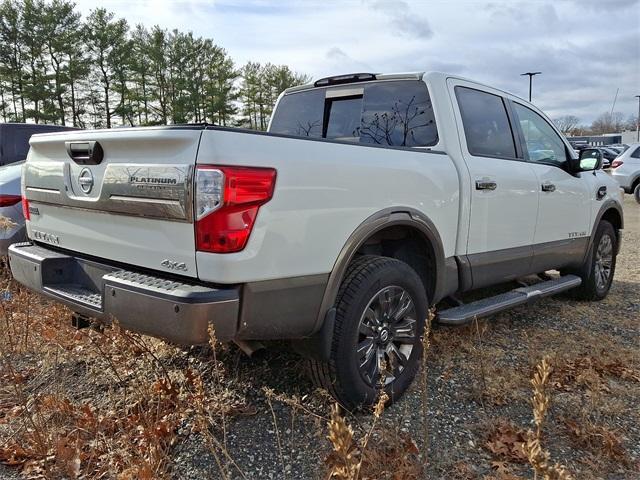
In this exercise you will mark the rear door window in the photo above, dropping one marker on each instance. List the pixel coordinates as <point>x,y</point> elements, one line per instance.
<point>391,113</point>
<point>486,124</point>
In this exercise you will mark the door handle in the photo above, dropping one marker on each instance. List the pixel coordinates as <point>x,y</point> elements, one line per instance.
<point>548,187</point>
<point>486,185</point>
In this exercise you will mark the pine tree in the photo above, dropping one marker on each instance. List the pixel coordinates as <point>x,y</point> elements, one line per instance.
<point>107,42</point>
<point>55,67</point>
<point>61,27</point>
<point>11,56</point>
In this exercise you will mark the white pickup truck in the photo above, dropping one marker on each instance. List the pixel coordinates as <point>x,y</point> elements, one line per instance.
<point>370,199</point>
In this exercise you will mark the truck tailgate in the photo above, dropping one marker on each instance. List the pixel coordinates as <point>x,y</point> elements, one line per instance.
<point>133,203</point>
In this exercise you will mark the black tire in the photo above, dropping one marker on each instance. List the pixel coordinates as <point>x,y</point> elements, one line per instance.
<point>594,286</point>
<point>361,320</point>
<point>636,192</point>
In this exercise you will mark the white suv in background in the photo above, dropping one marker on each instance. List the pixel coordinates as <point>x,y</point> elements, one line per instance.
<point>626,170</point>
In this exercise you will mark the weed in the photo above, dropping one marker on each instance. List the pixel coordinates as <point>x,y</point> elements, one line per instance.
<point>424,391</point>
<point>343,460</point>
<point>538,457</point>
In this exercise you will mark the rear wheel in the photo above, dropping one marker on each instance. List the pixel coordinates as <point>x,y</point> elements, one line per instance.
<point>636,192</point>
<point>597,273</point>
<point>381,309</point>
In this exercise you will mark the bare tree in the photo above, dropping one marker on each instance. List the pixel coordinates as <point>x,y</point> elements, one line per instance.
<point>631,123</point>
<point>607,123</point>
<point>566,123</point>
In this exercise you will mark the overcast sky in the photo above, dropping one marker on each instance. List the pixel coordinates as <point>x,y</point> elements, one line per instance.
<point>586,49</point>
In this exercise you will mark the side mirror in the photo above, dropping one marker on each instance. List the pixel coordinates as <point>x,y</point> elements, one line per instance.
<point>590,159</point>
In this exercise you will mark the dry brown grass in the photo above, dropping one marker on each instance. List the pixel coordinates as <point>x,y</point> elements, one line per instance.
<point>599,439</point>
<point>6,223</point>
<point>343,461</point>
<point>424,379</point>
<point>391,456</point>
<point>538,457</point>
<point>83,404</point>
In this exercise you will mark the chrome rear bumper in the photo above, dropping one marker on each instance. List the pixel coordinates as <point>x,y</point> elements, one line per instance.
<point>166,308</point>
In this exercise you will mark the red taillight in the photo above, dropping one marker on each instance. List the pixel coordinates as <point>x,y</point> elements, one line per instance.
<point>25,209</point>
<point>616,163</point>
<point>226,202</point>
<point>9,200</point>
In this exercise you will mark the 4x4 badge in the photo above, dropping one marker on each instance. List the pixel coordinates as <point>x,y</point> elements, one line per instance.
<point>85,180</point>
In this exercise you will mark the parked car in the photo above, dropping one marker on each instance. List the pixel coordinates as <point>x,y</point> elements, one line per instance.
<point>620,146</point>
<point>14,139</point>
<point>370,199</point>
<point>11,219</point>
<point>616,149</point>
<point>608,154</point>
<point>626,170</point>
<point>14,145</point>
<point>579,144</point>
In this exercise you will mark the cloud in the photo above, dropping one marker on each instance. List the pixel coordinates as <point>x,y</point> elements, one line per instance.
<point>403,21</point>
<point>338,62</point>
<point>607,5</point>
<point>336,53</point>
<point>583,60</point>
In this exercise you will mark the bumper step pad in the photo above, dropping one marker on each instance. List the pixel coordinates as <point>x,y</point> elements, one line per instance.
<point>78,293</point>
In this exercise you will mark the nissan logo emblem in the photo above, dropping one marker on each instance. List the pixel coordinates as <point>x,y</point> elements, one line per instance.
<point>85,180</point>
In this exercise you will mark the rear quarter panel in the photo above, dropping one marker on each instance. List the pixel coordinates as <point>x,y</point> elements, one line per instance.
<point>324,191</point>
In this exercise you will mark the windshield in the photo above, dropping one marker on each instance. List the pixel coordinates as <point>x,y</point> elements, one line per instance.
<point>394,113</point>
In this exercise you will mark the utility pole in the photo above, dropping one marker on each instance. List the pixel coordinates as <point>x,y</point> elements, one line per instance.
<point>531,75</point>
<point>638,121</point>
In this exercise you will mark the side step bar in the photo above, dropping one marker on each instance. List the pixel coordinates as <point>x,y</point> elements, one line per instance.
<point>488,306</point>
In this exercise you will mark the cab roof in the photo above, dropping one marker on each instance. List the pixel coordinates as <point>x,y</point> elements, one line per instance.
<point>358,77</point>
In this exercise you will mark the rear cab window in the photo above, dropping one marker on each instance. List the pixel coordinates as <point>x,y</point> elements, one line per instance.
<point>387,113</point>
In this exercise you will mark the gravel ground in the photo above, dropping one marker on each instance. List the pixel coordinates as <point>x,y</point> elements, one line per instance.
<point>478,380</point>
<point>464,403</point>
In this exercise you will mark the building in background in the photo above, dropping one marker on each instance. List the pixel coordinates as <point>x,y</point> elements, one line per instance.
<point>598,140</point>
<point>629,136</point>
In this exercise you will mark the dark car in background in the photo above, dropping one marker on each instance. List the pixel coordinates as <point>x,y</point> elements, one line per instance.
<point>11,218</point>
<point>608,156</point>
<point>14,146</point>
<point>14,139</point>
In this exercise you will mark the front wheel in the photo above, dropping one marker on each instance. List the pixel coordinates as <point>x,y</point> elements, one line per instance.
<point>597,273</point>
<point>380,313</point>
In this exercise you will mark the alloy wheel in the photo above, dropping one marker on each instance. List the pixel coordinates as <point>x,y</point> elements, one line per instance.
<point>387,333</point>
<point>604,262</point>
